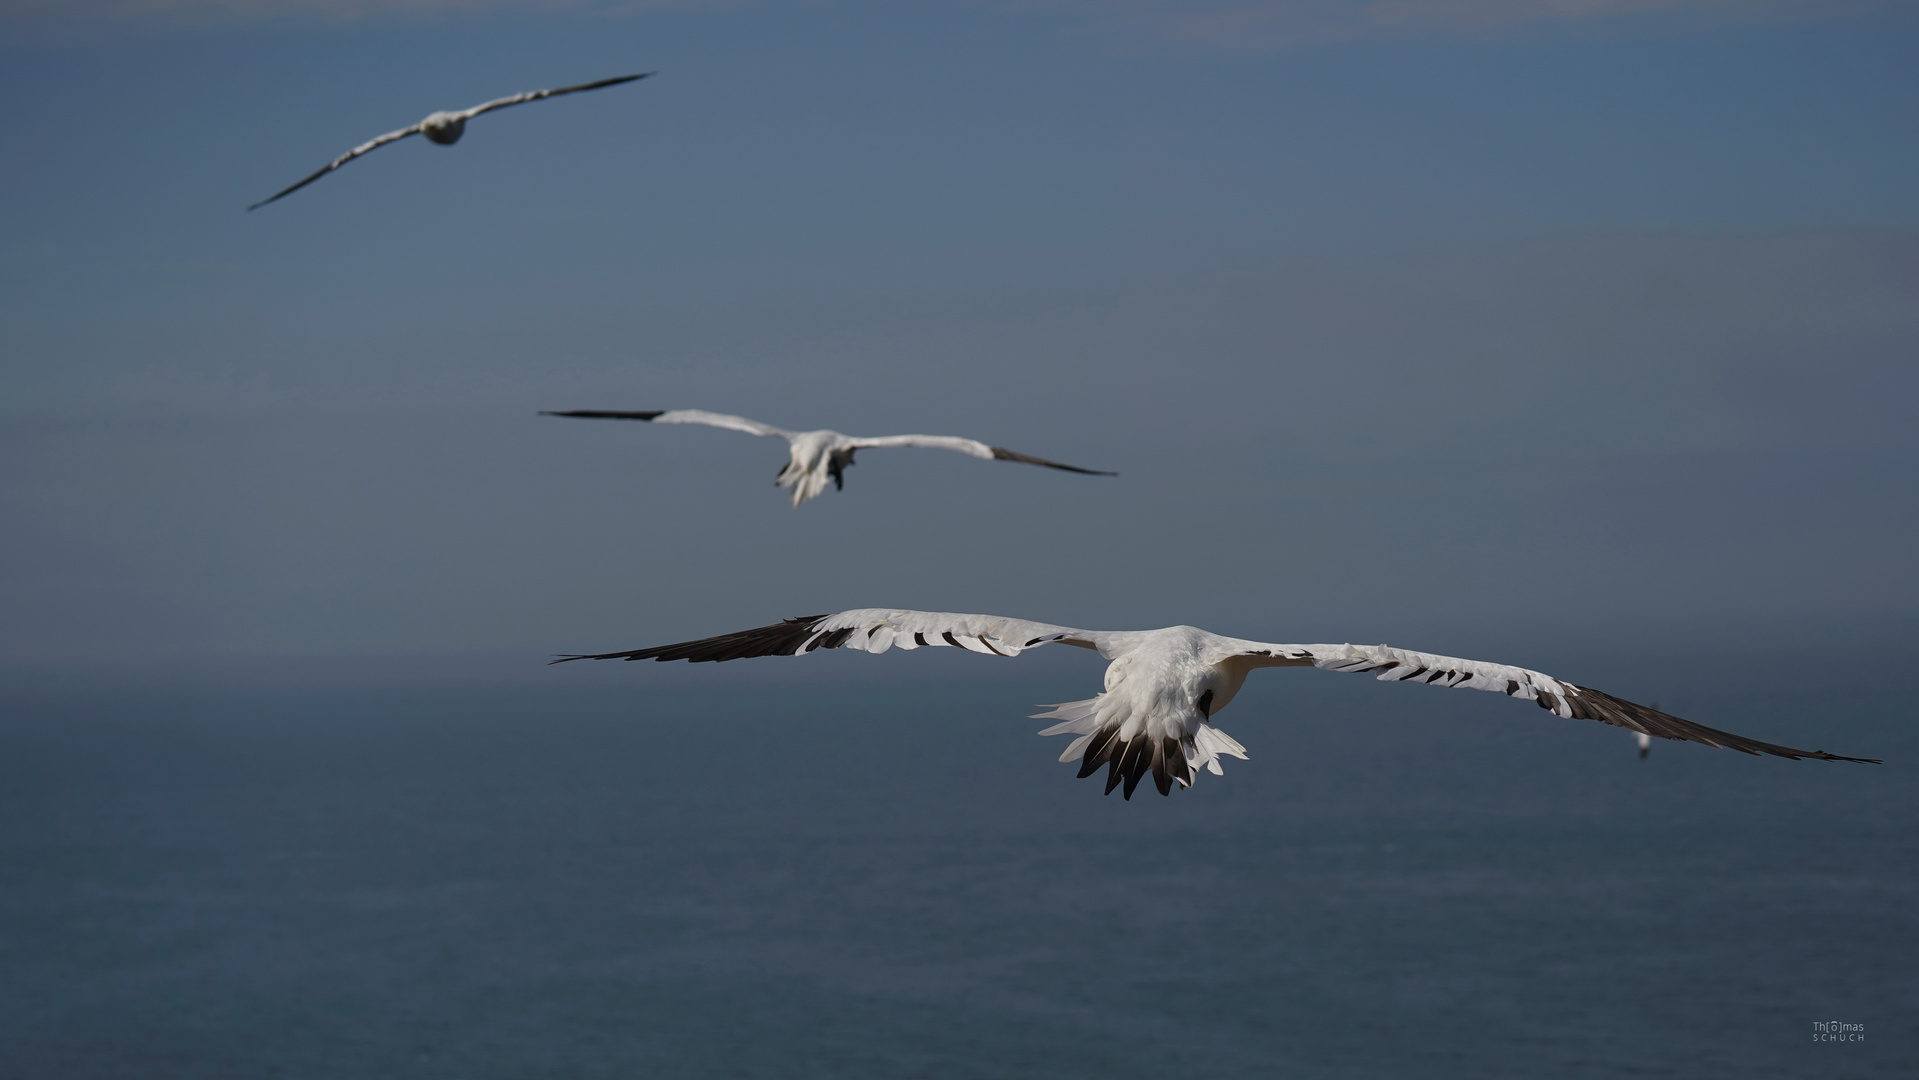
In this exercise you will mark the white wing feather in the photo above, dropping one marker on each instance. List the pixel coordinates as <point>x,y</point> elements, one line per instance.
<point>874,630</point>
<point>1404,665</point>
<point>720,420</point>
<point>1561,698</point>
<point>970,447</point>
<point>501,103</point>
<point>540,95</point>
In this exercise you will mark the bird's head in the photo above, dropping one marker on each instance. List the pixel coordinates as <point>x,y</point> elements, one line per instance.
<point>444,128</point>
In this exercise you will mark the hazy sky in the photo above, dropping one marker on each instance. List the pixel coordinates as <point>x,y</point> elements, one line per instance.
<point>1514,315</point>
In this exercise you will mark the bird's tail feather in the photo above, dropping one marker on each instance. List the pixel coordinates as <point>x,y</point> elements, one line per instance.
<point>1111,733</point>
<point>805,483</point>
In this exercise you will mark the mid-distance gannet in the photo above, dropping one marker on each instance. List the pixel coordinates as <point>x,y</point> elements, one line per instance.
<point>446,128</point>
<point>1163,687</point>
<point>817,456</point>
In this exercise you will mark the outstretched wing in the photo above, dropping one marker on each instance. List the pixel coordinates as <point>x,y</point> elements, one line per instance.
<point>871,630</point>
<point>536,95</point>
<point>680,416</point>
<point>1570,700</point>
<point>373,144</point>
<point>972,447</point>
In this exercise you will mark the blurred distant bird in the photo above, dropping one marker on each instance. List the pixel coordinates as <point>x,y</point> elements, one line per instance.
<point>1164,686</point>
<point>446,128</point>
<point>817,456</point>
<point>1644,740</point>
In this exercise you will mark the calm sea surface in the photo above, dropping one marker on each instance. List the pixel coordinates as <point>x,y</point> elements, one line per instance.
<point>898,880</point>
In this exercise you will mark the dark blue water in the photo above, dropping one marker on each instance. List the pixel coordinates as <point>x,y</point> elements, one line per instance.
<point>898,881</point>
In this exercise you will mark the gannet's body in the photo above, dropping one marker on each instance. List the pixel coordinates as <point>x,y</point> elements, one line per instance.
<point>1163,687</point>
<point>445,128</point>
<point>815,457</point>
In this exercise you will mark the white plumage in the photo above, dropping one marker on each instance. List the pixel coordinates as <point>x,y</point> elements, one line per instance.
<point>445,128</point>
<point>1163,687</point>
<point>816,457</point>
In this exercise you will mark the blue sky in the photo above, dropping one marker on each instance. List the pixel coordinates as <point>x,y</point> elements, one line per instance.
<point>1473,321</point>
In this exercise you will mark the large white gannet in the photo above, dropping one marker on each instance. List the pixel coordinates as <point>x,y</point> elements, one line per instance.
<point>445,128</point>
<point>1164,687</point>
<point>818,456</point>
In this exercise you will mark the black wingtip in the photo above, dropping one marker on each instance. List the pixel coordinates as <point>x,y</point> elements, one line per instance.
<point>604,414</point>
<point>780,639</point>
<point>1589,704</point>
<point>1000,453</point>
<point>601,84</point>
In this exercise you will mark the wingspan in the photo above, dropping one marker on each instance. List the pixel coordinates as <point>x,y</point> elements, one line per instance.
<point>872,630</point>
<point>971,447</point>
<point>1570,700</point>
<point>537,95</point>
<point>374,144</point>
<point>466,114</point>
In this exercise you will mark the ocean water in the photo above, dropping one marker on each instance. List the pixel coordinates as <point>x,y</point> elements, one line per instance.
<point>718,879</point>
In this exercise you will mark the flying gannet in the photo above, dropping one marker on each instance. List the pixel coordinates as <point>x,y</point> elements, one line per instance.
<point>1163,687</point>
<point>445,128</point>
<point>817,456</point>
